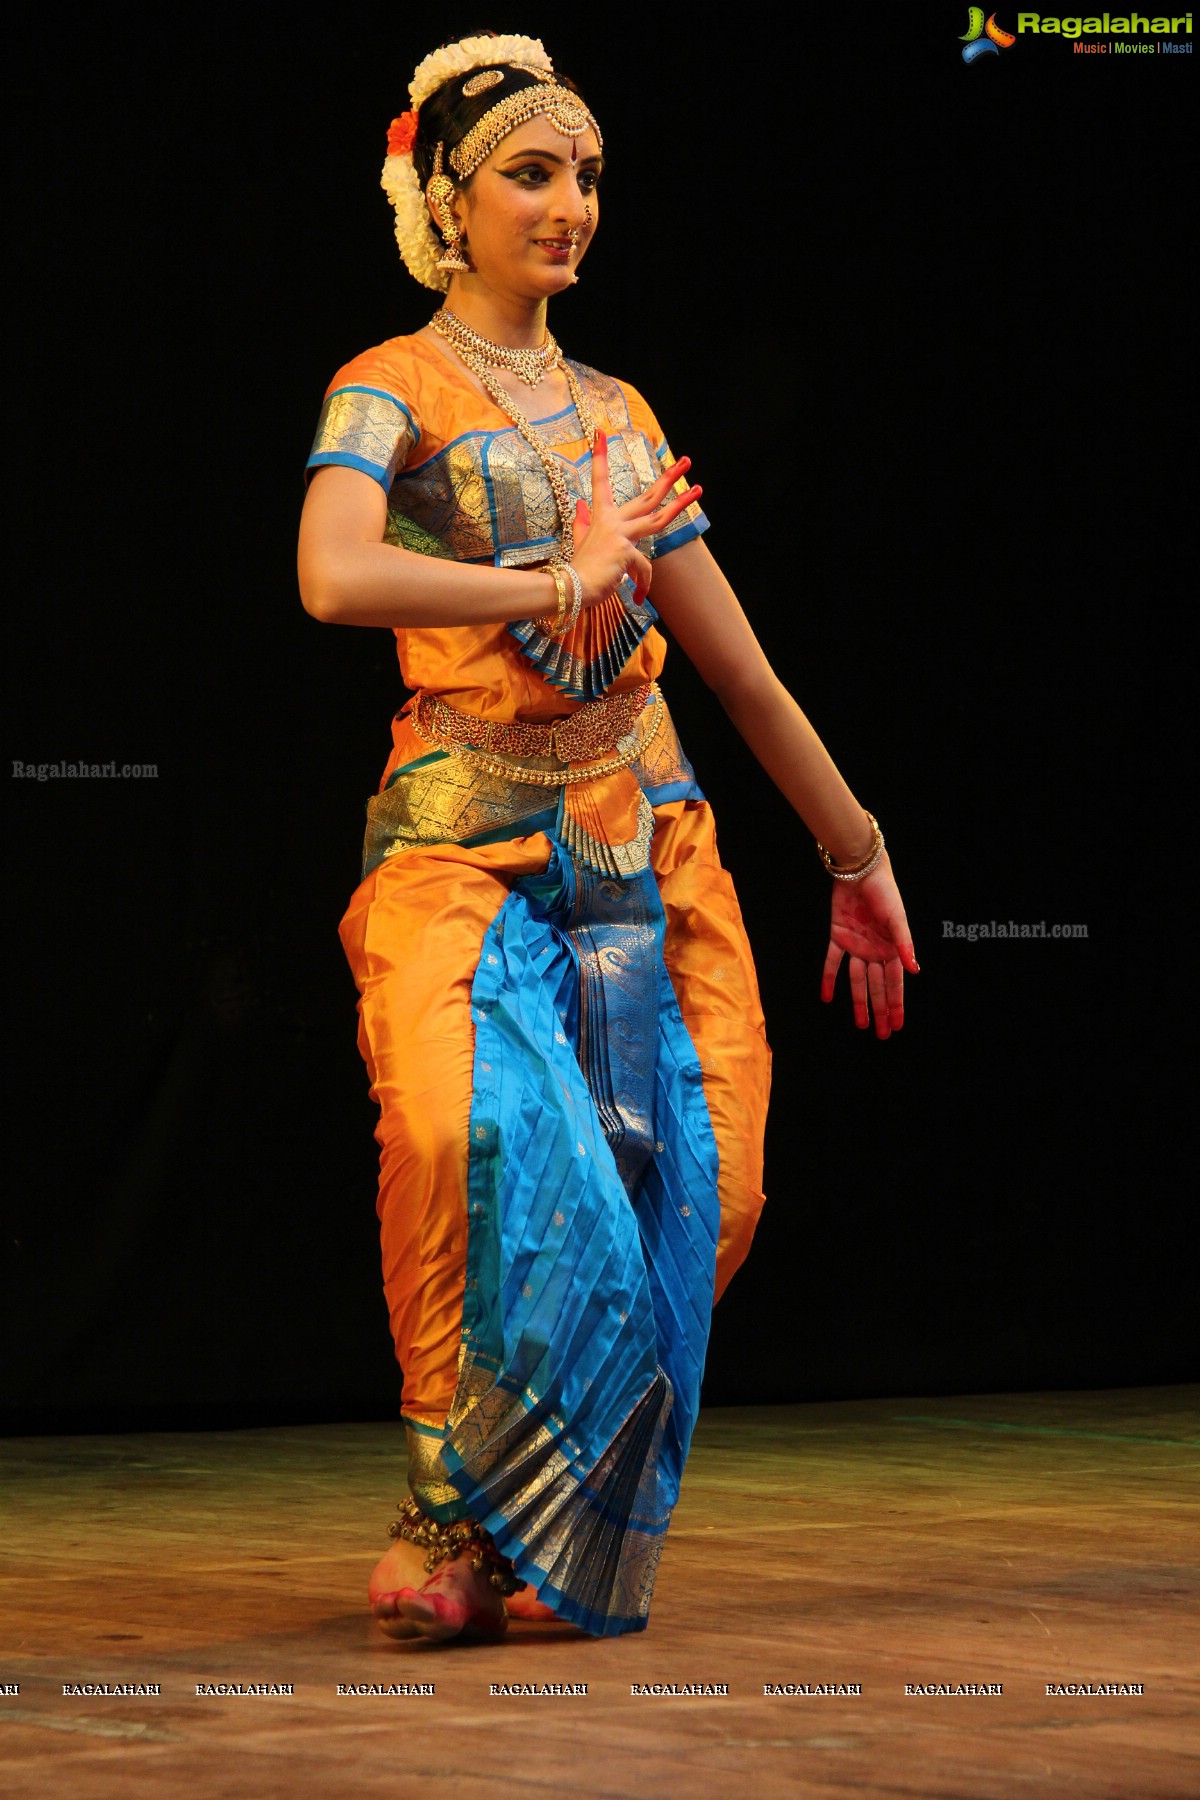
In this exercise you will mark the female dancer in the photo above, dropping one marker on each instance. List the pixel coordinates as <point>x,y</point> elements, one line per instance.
<point>558,1008</point>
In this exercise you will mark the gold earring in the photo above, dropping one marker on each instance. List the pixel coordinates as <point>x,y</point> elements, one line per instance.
<point>438,196</point>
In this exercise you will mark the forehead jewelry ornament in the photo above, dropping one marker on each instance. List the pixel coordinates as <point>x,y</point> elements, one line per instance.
<point>545,99</point>
<point>439,194</point>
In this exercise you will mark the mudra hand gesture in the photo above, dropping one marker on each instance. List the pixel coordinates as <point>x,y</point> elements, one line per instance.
<point>607,535</point>
<point>868,925</point>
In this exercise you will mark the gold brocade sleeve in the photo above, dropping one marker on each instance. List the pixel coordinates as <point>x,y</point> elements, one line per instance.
<point>366,429</point>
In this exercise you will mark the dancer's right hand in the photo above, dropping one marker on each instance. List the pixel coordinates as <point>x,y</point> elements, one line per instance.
<point>607,535</point>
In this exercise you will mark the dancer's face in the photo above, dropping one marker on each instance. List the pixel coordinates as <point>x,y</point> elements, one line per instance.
<point>520,208</point>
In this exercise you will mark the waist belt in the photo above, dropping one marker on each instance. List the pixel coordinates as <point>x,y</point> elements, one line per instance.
<point>611,725</point>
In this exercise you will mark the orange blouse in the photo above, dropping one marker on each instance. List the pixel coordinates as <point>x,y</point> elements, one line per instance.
<point>461,482</point>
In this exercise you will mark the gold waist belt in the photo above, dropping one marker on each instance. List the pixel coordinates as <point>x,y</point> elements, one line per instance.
<point>614,724</point>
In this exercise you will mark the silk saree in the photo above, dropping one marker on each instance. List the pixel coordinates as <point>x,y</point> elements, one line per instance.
<point>559,1018</point>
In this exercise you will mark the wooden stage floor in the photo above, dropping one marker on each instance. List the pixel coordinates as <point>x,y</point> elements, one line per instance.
<point>1017,1542</point>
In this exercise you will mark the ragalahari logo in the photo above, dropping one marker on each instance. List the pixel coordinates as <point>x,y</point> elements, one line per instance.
<point>982,39</point>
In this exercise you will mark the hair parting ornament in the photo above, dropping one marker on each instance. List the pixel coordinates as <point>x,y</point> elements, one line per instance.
<point>565,111</point>
<point>479,84</point>
<point>420,231</point>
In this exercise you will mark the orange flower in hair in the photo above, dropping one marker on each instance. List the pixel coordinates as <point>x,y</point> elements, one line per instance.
<point>401,133</point>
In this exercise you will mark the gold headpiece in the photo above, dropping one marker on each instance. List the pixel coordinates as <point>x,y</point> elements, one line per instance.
<point>479,84</point>
<point>565,111</point>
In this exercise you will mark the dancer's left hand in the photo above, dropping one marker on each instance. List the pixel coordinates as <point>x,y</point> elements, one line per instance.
<point>868,925</point>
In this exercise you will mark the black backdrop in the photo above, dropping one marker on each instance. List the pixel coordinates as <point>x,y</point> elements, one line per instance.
<point>922,328</point>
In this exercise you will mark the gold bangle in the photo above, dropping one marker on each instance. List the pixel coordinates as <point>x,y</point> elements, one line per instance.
<point>556,626</point>
<point>570,594</point>
<point>860,870</point>
<point>577,591</point>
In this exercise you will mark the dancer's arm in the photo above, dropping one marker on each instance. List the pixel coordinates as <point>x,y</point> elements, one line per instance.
<point>350,576</point>
<point>703,615</point>
<point>702,612</point>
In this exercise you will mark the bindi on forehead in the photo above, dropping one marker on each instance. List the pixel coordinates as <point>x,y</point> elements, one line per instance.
<point>539,138</point>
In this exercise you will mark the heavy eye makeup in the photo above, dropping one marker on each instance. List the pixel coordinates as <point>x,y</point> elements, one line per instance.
<point>536,174</point>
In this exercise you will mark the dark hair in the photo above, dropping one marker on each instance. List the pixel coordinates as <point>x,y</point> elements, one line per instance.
<point>447,115</point>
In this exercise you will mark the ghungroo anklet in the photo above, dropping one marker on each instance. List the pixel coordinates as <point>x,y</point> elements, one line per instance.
<point>442,1543</point>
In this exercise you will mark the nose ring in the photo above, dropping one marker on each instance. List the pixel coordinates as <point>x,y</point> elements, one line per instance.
<point>587,215</point>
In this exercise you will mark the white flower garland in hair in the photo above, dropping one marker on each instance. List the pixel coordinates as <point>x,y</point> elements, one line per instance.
<point>419,240</point>
<point>420,245</point>
<point>474,53</point>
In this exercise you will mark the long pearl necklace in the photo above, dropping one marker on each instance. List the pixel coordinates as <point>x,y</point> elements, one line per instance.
<point>483,357</point>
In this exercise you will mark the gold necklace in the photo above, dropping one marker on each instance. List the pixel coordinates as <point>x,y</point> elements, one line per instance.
<point>527,365</point>
<point>480,365</point>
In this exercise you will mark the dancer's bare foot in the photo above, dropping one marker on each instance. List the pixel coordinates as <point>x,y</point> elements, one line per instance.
<point>456,1601</point>
<point>401,1565</point>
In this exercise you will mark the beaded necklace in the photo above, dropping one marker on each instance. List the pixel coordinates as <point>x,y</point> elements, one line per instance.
<point>528,365</point>
<point>482,357</point>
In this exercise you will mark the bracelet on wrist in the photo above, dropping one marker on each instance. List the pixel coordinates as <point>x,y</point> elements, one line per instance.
<point>569,589</point>
<point>556,626</point>
<point>858,871</point>
<point>572,576</point>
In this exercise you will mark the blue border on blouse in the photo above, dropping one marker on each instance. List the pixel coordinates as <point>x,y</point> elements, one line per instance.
<point>343,459</point>
<point>682,534</point>
<point>346,459</point>
<point>672,540</point>
<point>355,387</point>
